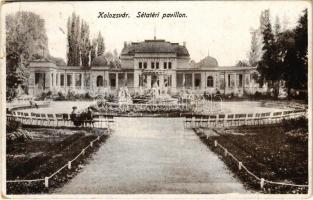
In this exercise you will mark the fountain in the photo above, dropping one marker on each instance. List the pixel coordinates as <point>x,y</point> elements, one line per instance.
<point>124,96</point>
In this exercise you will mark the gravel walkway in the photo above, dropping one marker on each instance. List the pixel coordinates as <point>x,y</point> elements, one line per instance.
<point>153,156</point>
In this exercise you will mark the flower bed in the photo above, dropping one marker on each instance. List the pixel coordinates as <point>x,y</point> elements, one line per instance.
<point>273,153</point>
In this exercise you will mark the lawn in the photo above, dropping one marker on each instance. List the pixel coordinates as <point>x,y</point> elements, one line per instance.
<point>45,153</point>
<point>276,153</point>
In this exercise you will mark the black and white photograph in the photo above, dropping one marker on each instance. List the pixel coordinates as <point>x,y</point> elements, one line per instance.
<point>210,99</point>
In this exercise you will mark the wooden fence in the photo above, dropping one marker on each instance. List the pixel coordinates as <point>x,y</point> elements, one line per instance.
<point>239,119</point>
<point>59,120</point>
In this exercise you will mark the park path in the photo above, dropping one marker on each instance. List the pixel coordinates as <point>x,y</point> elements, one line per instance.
<point>153,155</point>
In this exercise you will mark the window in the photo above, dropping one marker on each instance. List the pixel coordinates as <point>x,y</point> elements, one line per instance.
<point>188,80</point>
<point>112,80</point>
<point>168,81</point>
<point>179,80</point>
<point>209,82</point>
<point>130,80</point>
<point>87,80</point>
<point>140,65</point>
<point>228,80</point>
<point>69,80</point>
<point>152,65</point>
<point>52,80</point>
<point>78,79</point>
<point>247,81</point>
<point>170,65</point>
<point>240,80</point>
<point>157,65</point>
<point>145,65</point>
<point>99,81</point>
<point>37,77</point>
<point>222,82</point>
<point>197,81</point>
<point>62,80</point>
<point>165,65</point>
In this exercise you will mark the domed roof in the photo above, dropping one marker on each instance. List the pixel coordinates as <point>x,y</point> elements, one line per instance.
<point>99,61</point>
<point>207,62</point>
<point>155,46</point>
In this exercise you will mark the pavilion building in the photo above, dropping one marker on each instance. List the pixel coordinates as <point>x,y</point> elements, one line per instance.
<point>145,65</point>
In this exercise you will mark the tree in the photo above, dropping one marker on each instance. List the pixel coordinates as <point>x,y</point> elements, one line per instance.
<point>116,59</point>
<point>242,63</point>
<point>85,44</point>
<point>73,38</point>
<point>100,45</point>
<point>93,50</point>
<point>301,49</point>
<point>255,49</point>
<point>26,39</point>
<point>267,65</point>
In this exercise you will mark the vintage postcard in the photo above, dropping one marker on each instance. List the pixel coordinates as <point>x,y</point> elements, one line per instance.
<point>156,99</point>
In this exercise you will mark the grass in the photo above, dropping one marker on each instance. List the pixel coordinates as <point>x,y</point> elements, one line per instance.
<point>276,153</point>
<point>44,155</point>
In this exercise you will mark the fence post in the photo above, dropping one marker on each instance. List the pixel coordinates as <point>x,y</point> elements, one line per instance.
<point>215,143</point>
<point>91,143</point>
<point>225,152</point>
<point>46,182</point>
<point>83,152</point>
<point>98,138</point>
<point>240,165</point>
<point>262,182</point>
<point>69,165</point>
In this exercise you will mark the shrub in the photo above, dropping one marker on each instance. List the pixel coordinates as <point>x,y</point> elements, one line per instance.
<point>70,95</point>
<point>12,126</point>
<point>60,97</point>
<point>87,96</point>
<point>290,124</point>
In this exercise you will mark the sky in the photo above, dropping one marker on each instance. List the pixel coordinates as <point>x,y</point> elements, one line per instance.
<point>220,29</point>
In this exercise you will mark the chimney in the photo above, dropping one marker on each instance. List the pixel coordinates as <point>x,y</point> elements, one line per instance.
<point>184,43</point>
<point>125,44</point>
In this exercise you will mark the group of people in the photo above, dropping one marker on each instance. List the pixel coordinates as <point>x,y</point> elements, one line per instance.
<point>81,118</point>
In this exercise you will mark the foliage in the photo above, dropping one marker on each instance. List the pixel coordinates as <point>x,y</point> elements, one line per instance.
<point>100,45</point>
<point>85,44</point>
<point>26,40</point>
<point>12,125</point>
<point>93,50</point>
<point>284,54</point>
<point>73,39</point>
<point>242,63</point>
<point>255,49</point>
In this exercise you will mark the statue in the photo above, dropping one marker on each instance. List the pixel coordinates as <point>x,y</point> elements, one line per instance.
<point>124,96</point>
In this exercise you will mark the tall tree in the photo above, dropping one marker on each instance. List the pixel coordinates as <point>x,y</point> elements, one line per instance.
<point>100,45</point>
<point>85,44</point>
<point>117,61</point>
<point>255,49</point>
<point>301,50</point>
<point>73,38</point>
<point>26,40</point>
<point>93,50</point>
<point>267,64</point>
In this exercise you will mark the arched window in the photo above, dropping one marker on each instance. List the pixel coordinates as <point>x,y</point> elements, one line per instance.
<point>99,81</point>
<point>210,81</point>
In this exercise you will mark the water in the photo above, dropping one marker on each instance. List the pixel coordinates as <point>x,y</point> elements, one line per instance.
<point>153,155</point>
